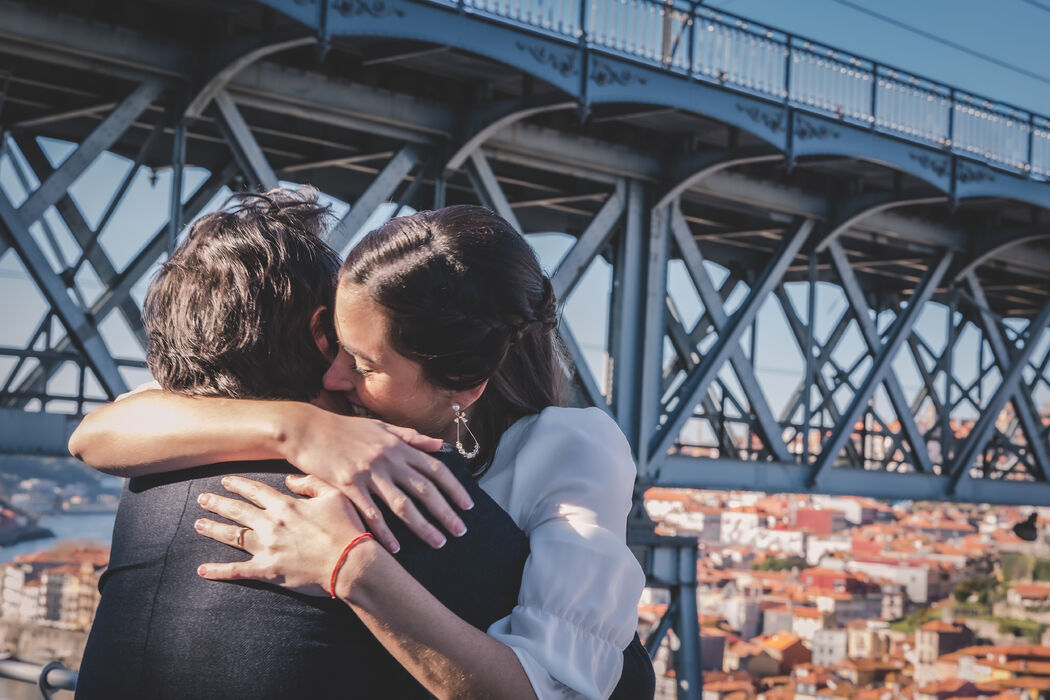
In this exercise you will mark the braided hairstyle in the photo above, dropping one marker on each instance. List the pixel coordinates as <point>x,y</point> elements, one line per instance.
<point>466,298</point>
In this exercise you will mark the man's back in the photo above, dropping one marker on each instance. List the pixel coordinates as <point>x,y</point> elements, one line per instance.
<point>161,631</point>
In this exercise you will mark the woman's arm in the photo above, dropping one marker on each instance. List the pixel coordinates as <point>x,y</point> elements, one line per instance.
<point>296,542</point>
<point>571,493</point>
<point>155,431</point>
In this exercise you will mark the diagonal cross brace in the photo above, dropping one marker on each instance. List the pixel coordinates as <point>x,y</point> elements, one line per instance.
<point>379,191</point>
<point>881,366</point>
<point>696,384</point>
<point>104,136</point>
<point>74,220</point>
<point>80,328</point>
<point>487,186</point>
<point>119,286</point>
<point>1026,412</point>
<point>802,393</point>
<point>771,430</point>
<point>583,374</point>
<point>590,243</point>
<point>861,311</point>
<point>978,437</point>
<point>246,149</point>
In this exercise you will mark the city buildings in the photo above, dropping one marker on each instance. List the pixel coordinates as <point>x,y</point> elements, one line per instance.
<point>840,597</point>
<point>57,588</point>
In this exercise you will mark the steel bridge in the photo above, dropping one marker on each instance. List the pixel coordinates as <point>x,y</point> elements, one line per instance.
<point>750,196</point>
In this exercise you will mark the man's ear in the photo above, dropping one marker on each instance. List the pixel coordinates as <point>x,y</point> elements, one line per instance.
<point>320,329</point>
<point>466,397</point>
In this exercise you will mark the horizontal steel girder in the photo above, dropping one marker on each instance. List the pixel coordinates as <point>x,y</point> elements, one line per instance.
<point>679,471</point>
<point>24,432</point>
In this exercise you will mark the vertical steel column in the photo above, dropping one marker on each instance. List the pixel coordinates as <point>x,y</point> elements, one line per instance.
<point>178,164</point>
<point>440,186</point>
<point>688,676</point>
<point>811,316</point>
<point>949,373</point>
<point>654,320</point>
<point>629,276</point>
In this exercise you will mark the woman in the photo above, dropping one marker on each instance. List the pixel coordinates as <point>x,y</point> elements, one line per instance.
<point>445,324</point>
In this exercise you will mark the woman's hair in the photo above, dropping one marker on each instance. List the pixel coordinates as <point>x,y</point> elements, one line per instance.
<point>229,312</point>
<point>467,300</point>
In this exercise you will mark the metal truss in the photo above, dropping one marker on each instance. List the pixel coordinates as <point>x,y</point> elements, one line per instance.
<point>708,250</point>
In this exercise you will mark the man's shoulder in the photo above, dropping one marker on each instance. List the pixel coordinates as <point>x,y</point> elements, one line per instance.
<point>268,471</point>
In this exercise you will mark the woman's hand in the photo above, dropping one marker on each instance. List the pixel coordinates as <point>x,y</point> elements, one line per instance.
<point>361,457</point>
<point>294,542</point>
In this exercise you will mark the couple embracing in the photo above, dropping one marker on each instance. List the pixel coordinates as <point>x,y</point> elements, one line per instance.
<point>285,530</point>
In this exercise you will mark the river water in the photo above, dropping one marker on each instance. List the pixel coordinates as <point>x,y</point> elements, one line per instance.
<point>92,527</point>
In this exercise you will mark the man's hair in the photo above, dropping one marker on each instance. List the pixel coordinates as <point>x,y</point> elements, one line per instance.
<point>229,312</point>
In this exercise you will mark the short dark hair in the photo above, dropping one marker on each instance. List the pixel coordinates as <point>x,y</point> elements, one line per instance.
<point>467,299</point>
<point>229,313</point>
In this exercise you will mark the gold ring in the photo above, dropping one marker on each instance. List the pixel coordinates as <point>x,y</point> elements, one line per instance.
<point>240,536</point>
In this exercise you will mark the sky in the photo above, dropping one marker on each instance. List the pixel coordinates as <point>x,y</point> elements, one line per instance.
<point>936,39</point>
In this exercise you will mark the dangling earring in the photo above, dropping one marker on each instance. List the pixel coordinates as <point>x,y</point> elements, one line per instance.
<point>461,418</point>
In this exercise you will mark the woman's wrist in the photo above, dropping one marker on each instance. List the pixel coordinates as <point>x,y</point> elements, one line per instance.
<point>285,425</point>
<point>358,572</point>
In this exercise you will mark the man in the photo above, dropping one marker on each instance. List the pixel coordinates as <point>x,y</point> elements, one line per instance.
<point>233,313</point>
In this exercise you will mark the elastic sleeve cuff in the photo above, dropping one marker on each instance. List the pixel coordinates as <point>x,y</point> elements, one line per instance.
<point>580,664</point>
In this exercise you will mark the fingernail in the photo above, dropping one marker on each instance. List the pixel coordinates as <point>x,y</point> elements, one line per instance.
<point>202,570</point>
<point>199,525</point>
<point>225,481</point>
<point>470,505</point>
<point>203,499</point>
<point>442,543</point>
<point>395,549</point>
<point>459,529</point>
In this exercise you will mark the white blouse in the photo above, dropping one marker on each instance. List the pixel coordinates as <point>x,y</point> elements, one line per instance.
<point>565,476</point>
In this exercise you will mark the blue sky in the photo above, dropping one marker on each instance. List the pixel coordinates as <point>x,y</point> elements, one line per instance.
<point>1009,31</point>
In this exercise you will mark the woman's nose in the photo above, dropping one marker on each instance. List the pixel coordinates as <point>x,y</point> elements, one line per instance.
<point>339,376</point>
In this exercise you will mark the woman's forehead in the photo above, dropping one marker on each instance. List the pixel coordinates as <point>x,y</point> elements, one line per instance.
<point>360,322</point>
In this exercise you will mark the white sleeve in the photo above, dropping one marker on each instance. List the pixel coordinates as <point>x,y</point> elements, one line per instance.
<point>577,610</point>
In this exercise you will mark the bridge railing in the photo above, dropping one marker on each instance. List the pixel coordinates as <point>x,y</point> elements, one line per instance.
<point>718,47</point>
<point>47,678</point>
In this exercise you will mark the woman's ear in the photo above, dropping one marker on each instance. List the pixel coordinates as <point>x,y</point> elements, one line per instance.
<point>466,397</point>
<point>320,329</point>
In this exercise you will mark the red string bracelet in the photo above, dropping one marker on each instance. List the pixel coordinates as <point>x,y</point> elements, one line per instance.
<point>342,558</point>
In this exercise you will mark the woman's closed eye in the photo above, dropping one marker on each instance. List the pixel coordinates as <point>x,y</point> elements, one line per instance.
<point>358,368</point>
